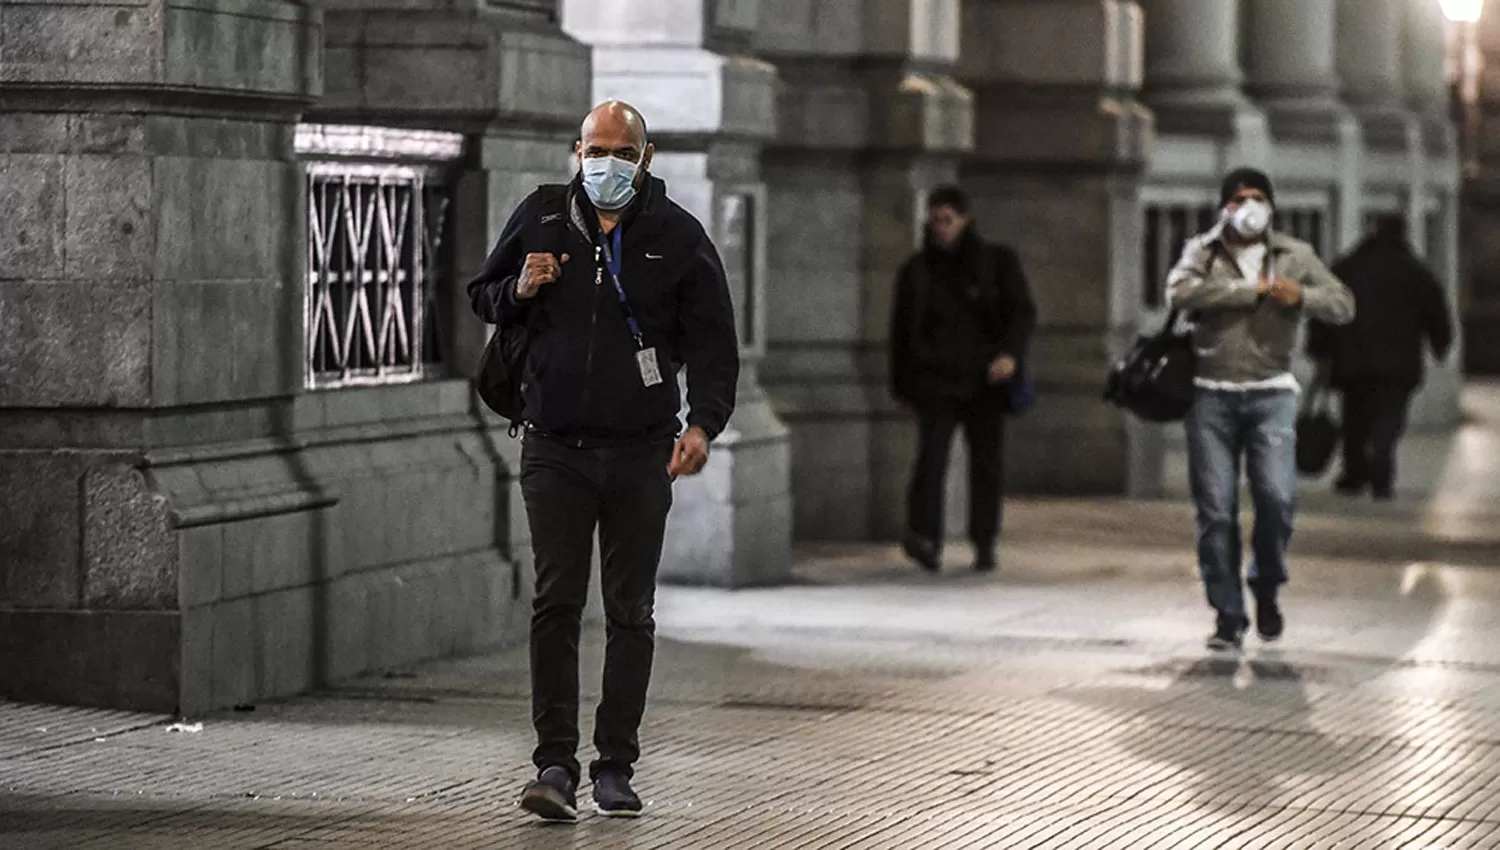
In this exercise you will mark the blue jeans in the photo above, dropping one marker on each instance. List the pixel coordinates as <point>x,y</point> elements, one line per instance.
<point>1261,427</point>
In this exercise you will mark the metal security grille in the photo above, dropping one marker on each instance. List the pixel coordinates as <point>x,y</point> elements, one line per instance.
<point>1305,223</point>
<point>1168,227</point>
<point>374,259</point>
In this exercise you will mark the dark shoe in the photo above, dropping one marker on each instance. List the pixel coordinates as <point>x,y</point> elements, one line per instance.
<point>985,560</point>
<point>551,796</point>
<point>613,797</point>
<point>1348,487</point>
<point>927,553</point>
<point>1229,634</point>
<point>1268,620</point>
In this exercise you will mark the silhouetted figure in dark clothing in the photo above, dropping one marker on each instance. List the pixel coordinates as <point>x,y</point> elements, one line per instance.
<point>1377,361</point>
<point>960,328</point>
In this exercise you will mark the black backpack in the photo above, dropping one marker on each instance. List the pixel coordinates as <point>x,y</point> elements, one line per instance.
<point>502,367</point>
<point>1154,380</point>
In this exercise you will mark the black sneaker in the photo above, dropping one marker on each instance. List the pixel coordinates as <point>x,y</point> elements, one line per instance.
<point>613,797</point>
<point>1229,633</point>
<point>928,554</point>
<point>1346,486</point>
<point>551,796</point>
<point>985,560</point>
<point>1269,623</point>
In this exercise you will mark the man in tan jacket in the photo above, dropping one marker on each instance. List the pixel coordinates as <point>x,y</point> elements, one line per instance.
<point>1248,288</point>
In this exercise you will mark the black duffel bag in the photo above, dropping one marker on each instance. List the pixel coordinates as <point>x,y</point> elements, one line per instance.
<point>1154,379</point>
<point>1317,432</point>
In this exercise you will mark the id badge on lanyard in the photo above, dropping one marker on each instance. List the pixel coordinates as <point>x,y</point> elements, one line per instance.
<point>645,357</point>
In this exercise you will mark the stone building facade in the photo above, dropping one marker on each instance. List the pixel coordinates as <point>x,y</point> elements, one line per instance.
<point>239,450</point>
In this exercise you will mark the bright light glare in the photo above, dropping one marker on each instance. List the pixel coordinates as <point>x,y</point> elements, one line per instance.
<point>1462,11</point>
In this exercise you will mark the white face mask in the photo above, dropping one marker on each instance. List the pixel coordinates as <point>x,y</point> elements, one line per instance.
<point>1251,219</point>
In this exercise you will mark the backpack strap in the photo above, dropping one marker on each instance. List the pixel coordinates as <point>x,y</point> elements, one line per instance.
<point>552,218</point>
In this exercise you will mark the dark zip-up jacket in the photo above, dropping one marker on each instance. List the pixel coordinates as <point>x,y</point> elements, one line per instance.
<point>1400,305</point>
<point>582,380</point>
<point>954,313</point>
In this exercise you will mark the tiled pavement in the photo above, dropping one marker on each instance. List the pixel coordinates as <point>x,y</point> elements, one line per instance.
<point>1065,702</point>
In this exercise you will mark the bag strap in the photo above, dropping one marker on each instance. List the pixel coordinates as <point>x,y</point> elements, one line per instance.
<point>1177,312</point>
<point>552,217</point>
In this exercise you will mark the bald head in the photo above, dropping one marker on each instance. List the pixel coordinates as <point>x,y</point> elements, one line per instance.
<point>615,119</point>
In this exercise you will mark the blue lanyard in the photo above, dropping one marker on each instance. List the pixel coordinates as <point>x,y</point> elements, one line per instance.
<point>612,263</point>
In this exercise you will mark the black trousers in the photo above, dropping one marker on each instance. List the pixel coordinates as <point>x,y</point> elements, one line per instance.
<point>624,493</point>
<point>1374,419</point>
<point>984,432</point>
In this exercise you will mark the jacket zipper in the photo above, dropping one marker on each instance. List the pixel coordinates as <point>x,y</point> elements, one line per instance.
<point>588,364</point>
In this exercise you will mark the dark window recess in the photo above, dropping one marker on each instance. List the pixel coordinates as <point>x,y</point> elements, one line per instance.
<point>1168,227</point>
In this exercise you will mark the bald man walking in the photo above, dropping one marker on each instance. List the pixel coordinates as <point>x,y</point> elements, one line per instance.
<point>620,288</point>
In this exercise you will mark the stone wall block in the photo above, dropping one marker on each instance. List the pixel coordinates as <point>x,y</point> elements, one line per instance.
<point>112,44</point>
<point>203,200</point>
<point>109,226</point>
<point>732,18</point>
<point>288,625</point>
<point>32,244</point>
<point>926,112</point>
<point>822,114</point>
<point>923,29</point>
<point>690,91</point>
<point>545,75</point>
<point>40,530</point>
<point>32,132</point>
<point>801,27</point>
<point>680,23</point>
<point>197,662</point>
<point>200,566</point>
<point>412,79</point>
<point>1105,45</point>
<point>51,353</point>
<point>234,646</point>
<point>749,97</point>
<point>129,552</point>
<point>242,45</point>
<point>1112,131</point>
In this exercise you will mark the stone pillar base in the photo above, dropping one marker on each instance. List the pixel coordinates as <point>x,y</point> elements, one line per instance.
<point>732,525</point>
<point>357,532</point>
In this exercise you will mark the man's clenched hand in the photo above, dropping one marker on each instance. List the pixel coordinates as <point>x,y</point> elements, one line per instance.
<point>539,270</point>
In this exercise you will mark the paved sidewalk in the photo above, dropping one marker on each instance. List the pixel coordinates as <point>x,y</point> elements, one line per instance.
<point>1064,703</point>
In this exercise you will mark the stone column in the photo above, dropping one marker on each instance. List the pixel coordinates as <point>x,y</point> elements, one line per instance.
<point>1290,63</point>
<point>1371,67</point>
<point>1193,76</point>
<point>869,123</point>
<point>1424,54</point>
<point>1059,148</point>
<point>504,76</point>
<point>710,106</point>
<point>150,339</point>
